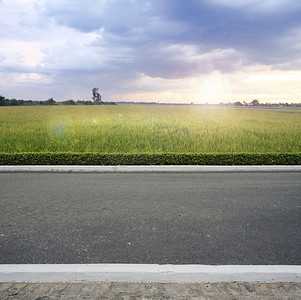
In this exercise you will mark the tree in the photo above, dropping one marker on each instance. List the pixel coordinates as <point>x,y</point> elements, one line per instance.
<point>14,102</point>
<point>96,96</point>
<point>255,103</point>
<point>2,100</point>
<point>50,102</point>
<point>69,102</point>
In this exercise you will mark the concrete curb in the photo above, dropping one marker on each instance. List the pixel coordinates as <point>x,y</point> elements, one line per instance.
<point>129,169</point>
<point>143,273</point>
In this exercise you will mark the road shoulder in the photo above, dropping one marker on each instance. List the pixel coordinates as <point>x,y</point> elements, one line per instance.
<point>235,290</point>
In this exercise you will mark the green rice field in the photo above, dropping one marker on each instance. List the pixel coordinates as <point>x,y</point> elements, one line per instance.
<point>150,129</point>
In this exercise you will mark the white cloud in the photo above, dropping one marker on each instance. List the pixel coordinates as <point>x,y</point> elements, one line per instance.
<point>15,80</point>
<point>275,76</point>
<point>70,51</point>
<point>16,53</point>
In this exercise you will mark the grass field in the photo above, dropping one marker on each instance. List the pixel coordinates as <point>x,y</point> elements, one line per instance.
<point>149,129</point>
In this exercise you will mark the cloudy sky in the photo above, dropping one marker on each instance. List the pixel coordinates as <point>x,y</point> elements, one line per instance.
<point>157,50</point>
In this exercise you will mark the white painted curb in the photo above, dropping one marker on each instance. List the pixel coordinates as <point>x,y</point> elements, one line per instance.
<point>129,169</point>
<point>148,273</point>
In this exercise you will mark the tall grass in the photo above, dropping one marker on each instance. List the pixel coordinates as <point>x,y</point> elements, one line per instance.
<point>149,129</point>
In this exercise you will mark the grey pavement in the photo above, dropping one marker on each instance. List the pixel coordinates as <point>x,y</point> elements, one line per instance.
<point>131,291</point>
<point>151,218</point>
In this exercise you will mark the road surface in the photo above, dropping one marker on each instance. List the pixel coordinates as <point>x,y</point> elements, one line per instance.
<point>161,218</point>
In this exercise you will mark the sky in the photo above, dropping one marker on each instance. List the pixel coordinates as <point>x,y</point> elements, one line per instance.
<point>201,51</point>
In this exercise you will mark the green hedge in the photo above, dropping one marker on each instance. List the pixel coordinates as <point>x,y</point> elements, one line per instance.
<point>149,159</point>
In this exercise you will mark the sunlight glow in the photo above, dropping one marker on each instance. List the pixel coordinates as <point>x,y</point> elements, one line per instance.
<point>215,88</point>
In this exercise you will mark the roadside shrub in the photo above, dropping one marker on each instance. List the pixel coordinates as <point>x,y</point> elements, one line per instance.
<point>149,159</point>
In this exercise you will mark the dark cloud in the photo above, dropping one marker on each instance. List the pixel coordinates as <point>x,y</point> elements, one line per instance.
<point>168,39</point>
<point>82,16</point>
<point>130,45</point>
<point>150,36</point>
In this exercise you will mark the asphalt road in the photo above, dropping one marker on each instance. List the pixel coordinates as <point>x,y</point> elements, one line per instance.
<point>164,218</point>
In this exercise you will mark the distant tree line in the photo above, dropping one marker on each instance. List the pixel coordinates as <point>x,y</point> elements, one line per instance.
<point>51,101</point>
<point>15,102</point>
<point>256,103</point>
